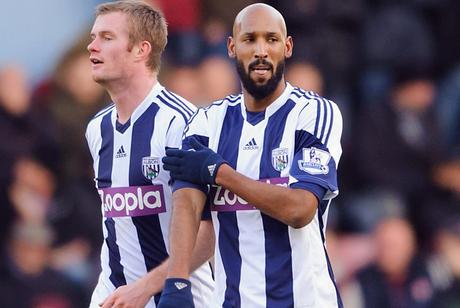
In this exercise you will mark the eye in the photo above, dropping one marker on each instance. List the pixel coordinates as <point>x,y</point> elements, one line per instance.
<point>248,38</point>
<point>272,39</point>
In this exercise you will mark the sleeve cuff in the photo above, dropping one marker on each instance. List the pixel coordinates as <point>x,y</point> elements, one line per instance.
<point>178,184</point>
<point>318,190</point>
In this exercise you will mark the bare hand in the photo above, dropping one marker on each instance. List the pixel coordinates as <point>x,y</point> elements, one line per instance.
<point>133,295</point>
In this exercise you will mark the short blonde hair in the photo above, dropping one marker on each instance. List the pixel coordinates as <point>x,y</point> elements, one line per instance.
<point>145,24</point>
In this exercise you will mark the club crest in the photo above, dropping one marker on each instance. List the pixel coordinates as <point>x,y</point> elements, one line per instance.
<point>315,161</point>
<point>280,158</point>
<point>150,167</point>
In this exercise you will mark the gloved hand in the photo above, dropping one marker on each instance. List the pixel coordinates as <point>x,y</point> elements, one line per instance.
<point>176,293</point>
<point>198,165</point>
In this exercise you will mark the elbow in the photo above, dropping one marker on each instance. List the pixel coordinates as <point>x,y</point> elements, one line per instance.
<point>299,223</point>
<point>300,220</point>
<point>304,210</point>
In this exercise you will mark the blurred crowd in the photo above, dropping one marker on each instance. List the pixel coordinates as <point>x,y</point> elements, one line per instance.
<point>393,67</point>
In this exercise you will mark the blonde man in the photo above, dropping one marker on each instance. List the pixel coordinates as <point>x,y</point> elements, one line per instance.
<point>127,141</point>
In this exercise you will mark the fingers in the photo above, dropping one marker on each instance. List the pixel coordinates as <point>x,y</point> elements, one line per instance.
<point>175,153</point>
<point>195,144</point>
<point>174,170</point>
<point>108,302</point>
<point>171,163</point>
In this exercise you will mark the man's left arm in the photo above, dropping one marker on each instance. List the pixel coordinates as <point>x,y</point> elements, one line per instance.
<point>312,174</point>
<point>294,207</point>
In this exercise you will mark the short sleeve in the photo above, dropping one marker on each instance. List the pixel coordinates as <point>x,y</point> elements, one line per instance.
<point>317,149</point>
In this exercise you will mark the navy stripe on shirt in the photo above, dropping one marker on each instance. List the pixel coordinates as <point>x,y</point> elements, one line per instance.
<point>148,227</point>
<point>324,119</point>
<point>330,124</point>
<point>278,261</point>
<point>174,106</point>
<point>228,231</point>
<point>175,99</point>
<point>103,111</point>
<point>322,209</point>
<point>104,179</point>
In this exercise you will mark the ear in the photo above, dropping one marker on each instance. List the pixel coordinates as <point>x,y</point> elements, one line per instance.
<point>231,47</point>
<point>143,50</point>
<point>289,44</point>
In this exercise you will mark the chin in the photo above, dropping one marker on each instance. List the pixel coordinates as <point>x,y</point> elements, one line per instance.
<point>98,78</point>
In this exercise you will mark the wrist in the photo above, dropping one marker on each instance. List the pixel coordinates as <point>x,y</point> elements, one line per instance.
<point>221,173</point>
<point>153,282</point>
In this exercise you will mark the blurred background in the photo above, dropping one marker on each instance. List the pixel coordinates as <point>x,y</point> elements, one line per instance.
<point>393,67</point>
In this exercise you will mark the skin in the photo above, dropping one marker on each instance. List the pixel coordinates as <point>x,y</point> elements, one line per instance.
<point>259,32</point>
<point>123,72</point>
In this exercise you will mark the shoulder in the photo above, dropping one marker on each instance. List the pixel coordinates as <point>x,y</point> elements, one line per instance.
<point>175,104</point>
<point>222,104</point>
<point>312,100</point>
<point>314,107</point>
<point>103,112</point>
<point>95,123</point>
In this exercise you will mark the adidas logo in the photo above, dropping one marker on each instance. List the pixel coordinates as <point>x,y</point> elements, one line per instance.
<point>251,145</point>
<point>211,169</point>
<point>120,153</point>
<point>180,285</point>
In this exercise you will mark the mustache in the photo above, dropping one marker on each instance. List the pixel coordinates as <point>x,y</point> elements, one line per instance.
<point>253,64</point>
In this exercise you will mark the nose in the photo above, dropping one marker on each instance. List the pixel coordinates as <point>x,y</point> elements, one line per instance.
<point>261,50</point>
<point>92,46</point>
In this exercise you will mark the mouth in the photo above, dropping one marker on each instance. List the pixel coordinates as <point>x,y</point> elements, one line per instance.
<point>95,61</point>
<point>261,69</point>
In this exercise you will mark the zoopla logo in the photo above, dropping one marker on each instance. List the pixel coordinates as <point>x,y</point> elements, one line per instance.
<point>132,201</point>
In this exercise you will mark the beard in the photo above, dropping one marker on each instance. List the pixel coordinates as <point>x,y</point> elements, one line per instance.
<point>263,90</point>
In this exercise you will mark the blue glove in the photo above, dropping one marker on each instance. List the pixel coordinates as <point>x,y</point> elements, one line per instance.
<point>198,165</point>
<point>176,293</point>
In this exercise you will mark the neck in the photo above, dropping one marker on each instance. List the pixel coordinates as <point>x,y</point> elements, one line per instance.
<point>128,93</point>
<point>256,105</point>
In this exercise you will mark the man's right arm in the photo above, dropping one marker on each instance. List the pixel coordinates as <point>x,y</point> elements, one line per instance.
<point>188,204</point>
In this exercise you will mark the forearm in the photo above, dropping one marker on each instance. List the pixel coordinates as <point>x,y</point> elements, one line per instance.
<point>294,207</point>
<point>187,208</point>
<point>202,252</point>
<point>204,245</point>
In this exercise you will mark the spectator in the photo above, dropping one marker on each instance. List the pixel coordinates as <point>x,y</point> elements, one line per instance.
<point>185,81</point>
<point>71,99</point>
<point>26,280</point>
<point>20,124</point>
<point>448,110</point>
<point>398,277</point>
<point>445,266</point>
<point>306,76</point>
<point>399,145</point>
<point>218,79</point>
<point>394,36</point>
<point>22,132</point>
<point>184,40</point>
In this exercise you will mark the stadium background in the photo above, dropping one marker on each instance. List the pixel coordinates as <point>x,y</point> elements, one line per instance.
<point>391,66</point>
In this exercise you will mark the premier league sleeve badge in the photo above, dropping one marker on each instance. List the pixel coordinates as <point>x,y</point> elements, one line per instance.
<point>315,161</point>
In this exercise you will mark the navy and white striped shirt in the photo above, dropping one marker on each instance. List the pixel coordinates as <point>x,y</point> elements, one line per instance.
<point>295,142</point>
<point>135,190</point>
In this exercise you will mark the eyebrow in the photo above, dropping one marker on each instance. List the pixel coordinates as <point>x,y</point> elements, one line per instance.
<point>270,33</point>
<point>102,33</point>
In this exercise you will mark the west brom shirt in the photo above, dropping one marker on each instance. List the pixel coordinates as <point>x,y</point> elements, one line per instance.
<point>295,142</point>
<point>135,190</point>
